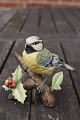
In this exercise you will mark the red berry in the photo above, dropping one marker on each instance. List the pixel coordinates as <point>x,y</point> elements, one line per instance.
<point>7,84</point>
<point>13,85</point>
<point>10,81</point>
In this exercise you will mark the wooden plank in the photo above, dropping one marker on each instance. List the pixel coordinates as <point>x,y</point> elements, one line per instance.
<point>10,110</point>
<point>62,25</point>
<point>75,12</point>
<point>31,23</point>
<point>5,47</point>
<point>16,23</point>
<point>72,20</point>
<point>51,37</point>
<point>67,107</point>
<point>1,13</point>
<point>73,58</point>
<point>47,25</point>
<point>5,18</point>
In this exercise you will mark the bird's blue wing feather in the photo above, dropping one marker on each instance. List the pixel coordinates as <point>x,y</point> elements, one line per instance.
<point>51,61</point>
<point>47,62</point>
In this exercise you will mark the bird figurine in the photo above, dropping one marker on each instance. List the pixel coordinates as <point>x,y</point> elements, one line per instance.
<point>40,60</point>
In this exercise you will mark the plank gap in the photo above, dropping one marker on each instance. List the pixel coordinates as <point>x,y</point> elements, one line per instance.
<point>68,22</point>
<point>31,24</point>
<point>39,18</point>
<point>24,21</point>
<point>32,105</point>
<point>53,20</point>
<point>74,13</point>
<point>74,87</point>
<point>8,22</point>
<point>7,56</point>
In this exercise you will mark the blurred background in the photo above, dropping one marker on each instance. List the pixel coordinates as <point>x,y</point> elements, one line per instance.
<point>33,3</point>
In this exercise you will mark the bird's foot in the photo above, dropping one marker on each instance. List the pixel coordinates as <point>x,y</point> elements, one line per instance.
<point>40,88</point>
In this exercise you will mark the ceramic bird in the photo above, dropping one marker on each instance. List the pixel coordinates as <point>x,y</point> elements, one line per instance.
<point>40,60</point>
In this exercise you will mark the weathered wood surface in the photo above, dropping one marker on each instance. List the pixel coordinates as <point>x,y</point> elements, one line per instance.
<point>5,48</point>
<point>46,23</point>
<point>45,20</point>
<point>73,59</point>
<point>59,28</point>
<point>16,23</point>
<point>5,18</point>
<point>10,110</point>
<point>31,23</point>
<point>62,25</point>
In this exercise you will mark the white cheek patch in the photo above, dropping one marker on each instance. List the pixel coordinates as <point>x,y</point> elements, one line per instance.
<point>38,46</point>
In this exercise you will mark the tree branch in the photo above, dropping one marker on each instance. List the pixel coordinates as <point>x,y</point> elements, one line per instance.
<point>35,80</point>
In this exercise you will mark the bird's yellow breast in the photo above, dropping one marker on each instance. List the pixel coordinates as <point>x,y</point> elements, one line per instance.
<point>31,63</point>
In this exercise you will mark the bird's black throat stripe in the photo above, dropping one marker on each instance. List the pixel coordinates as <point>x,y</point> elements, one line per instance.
<point>29,49</point>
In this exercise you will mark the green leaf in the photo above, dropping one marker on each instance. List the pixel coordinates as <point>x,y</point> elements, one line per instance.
<point>17,75</point>
<point>5,87</point>
<point>19,93</point>
<point>57,81</point>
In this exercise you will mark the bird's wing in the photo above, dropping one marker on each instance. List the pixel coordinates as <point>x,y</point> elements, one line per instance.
<point>47,59</point>
<point>43,57</point>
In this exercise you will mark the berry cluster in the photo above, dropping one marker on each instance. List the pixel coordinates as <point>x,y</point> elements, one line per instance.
<point>10,83</point>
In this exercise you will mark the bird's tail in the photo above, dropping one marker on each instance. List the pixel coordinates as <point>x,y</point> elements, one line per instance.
<point>69,67</point>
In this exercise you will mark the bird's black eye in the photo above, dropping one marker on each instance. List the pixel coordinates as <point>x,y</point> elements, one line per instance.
<point>35,43</point>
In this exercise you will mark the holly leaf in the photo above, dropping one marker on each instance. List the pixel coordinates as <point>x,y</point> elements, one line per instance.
<point>19,93</point>
<point>57,81</point>
<point>17,75</point>
<point>5,87</point>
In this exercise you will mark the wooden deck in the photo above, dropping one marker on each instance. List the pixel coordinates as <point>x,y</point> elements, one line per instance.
<point>60,30</point>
